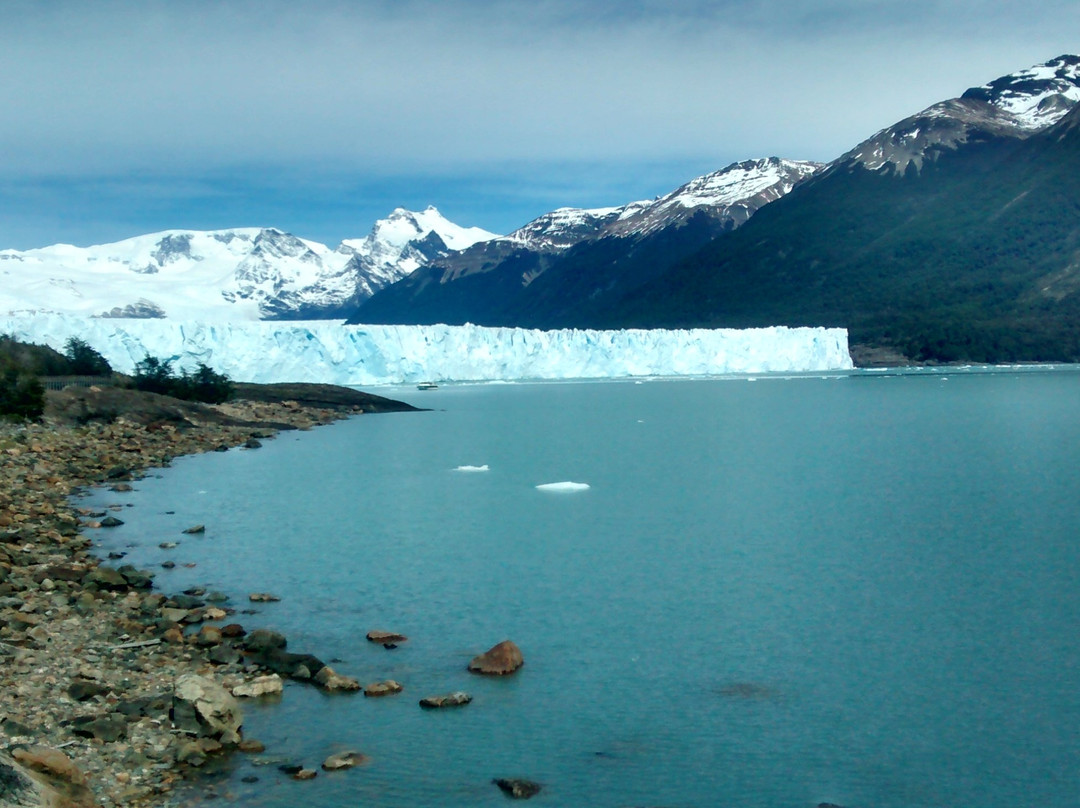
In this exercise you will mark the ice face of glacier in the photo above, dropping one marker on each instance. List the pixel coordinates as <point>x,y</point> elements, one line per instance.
<point>325,351</point>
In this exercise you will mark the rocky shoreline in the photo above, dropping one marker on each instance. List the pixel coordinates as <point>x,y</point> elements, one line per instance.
<point>108,693</point>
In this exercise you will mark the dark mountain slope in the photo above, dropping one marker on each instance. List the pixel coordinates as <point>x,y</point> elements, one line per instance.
<point>974,255</point>
<point>570,267</point>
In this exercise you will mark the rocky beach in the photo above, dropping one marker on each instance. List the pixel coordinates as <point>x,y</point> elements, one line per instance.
<point>111,691</point>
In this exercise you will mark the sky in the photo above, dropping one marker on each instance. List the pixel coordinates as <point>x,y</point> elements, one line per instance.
<point>123,118</point>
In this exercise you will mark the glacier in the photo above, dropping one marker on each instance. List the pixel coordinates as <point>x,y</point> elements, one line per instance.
<point>363,355</point>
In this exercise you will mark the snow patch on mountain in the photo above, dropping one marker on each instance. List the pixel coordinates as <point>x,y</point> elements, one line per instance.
<point>1013,106</point>
<point>734,192</point>
<point>238,274</point>
<point>325,351</point>
<point>1037,97</point>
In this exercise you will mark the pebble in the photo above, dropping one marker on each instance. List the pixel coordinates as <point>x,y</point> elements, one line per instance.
<point>64,620</point>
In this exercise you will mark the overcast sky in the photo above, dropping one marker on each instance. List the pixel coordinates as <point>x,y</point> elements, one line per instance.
<point>121,118</point>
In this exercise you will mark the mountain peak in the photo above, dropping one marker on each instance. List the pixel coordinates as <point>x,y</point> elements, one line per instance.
<point>1038,96</point>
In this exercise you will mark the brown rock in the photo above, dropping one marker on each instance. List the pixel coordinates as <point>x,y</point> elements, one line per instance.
<point>517,788</point>
<point>305,774</point>
<point>385,688</point>
<point>385,636</point>
<point>499,660</point>
<point>344,760</point>
<point>36,783</point>
<point>251,745</point>
<point>208,636</point>
<point>329,679</point>
<point>259,686</point>
<point>455,699</point>
<point>51,762</point>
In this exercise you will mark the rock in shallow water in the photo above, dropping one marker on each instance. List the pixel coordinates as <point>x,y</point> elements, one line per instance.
<point>259,686</point>
<point>499,660</point>
<point>383,637</point>
<point>344,760</point>
<point>456,699</point>
<point>518,788</point>
<point>384,688</point>
<point>203,707</point>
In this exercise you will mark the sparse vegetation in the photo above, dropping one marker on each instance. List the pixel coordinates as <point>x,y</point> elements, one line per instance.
<point>155,375</point>
<point>84,360</point>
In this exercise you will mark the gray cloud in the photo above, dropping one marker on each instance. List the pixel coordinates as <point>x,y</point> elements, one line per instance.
<point>383,86</point>
<point>119,117</point>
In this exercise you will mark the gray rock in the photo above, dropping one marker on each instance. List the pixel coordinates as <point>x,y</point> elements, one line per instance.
<point>202,706</point>
<point>455,699</point>
<point>518,788</point>
<point>109,727</point>
<point>106,578</point>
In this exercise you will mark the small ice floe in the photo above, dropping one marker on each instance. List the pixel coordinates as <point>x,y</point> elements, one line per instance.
<point>563,486</point>
<point>473,468</point>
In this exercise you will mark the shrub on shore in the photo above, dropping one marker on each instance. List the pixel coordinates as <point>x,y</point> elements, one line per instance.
<point>22,396</point>
<point>84,360</point>
<point>156,375</point>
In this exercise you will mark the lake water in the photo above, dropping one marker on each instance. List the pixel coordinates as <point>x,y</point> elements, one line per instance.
<point>859,589</point>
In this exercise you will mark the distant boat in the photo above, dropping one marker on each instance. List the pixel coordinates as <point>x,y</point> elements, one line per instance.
<point>427,386</point>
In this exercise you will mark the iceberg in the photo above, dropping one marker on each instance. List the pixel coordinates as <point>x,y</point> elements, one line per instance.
<point>362,355</point>
<point>563,487</point>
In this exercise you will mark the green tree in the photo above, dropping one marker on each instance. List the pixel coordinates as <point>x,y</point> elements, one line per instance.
<point>22,396</point>
<point>154,375</point>
<point>205,385</point>
<point>85,361</point>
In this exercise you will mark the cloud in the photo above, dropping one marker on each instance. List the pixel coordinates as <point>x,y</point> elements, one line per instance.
<point>382,86</point>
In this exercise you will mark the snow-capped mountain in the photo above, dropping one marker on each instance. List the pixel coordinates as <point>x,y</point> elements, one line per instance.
<point>950,236</point>
<point>238,274</point>
<point>732,194</point>
<point>1011,107</point>
<point>583,255</point>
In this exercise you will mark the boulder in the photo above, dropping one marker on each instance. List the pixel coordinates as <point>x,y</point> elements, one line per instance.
<point>105,578</point>
<point>344,760</point>
<point>108,727</point>
<point>499,660</point>
<point>518,788</point>
<point>263,639</point>
<point>329,679</point>
<point>385,688</point>
<point>136,578</point>
<point>295,666</point>
<point>223,655</point>
<point>193,529</point>
<point>455,699</point>
<point>263,597</point>
<point>383,637</point>
<point>259,686</point>
<point>208,636</point>
<point>36,777</point>
<point>203,707</point>
<point>84,690</point>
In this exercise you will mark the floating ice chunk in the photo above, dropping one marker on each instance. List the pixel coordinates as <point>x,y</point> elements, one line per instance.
<point>473,468</point>
<point>563,486</point>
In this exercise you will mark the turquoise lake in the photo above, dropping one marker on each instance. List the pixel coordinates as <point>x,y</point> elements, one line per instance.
<point>860,589</point>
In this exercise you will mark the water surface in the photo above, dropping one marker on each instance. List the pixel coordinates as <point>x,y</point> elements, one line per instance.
<point>776,592</point>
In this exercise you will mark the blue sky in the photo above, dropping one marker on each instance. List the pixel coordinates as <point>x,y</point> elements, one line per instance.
<point>121,118</point>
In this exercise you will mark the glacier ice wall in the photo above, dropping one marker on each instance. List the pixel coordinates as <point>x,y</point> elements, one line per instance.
<point>327,351</point>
